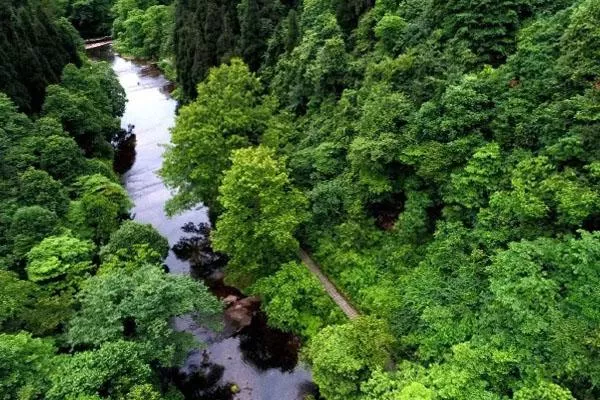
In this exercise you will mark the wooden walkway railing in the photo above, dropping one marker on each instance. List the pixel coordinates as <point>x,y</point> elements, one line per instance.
<point>94,45</point>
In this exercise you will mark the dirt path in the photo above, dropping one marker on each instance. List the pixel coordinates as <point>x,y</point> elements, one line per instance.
<point>329,287</point>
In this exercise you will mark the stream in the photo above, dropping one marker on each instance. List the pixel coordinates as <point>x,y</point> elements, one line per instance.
<point>262,362</point>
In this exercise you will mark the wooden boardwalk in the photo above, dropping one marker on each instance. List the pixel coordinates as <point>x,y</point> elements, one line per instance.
<point>89,46</point>
<point>329,287</point>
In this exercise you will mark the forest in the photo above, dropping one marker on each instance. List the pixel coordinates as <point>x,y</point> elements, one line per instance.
<point>85,302</point>
<point>439,159</point>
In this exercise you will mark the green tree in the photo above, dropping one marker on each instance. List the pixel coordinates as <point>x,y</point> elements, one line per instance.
<point>35,46</point>
<point>138,305</point>
<point>143,392</point>
<point>381,135</point>
<point>316,68</point>
<point>101,206</point>
<point>16,297</point>
<point>205,36</point>
<point>61,157</point>
<point>390,31</point>
<point>579,50</point>
<point>114,369</point>
<point>489,27</point>
<point>145,33</point>
<point>262,211</point>
<point>542,299</point>
<point>92,18</point>
<point>60,262</point>
<point>25,363</point>
<point>132,233</point>
<point>258,19</point>
<point>39,188</point>
<point>229,113</point>
<point>88,102</point>
<point>344,356</point>
<point>543,391</point>
<point>29,226</point>
<point>295,301</point>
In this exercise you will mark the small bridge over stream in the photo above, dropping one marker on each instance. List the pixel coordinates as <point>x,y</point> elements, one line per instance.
<point>98,42</point>
<point>337,297</point>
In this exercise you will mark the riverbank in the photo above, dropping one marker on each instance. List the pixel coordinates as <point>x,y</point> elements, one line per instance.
<point>261,362</point>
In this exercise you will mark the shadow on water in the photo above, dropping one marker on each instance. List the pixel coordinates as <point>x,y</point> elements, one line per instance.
<point>262,347</point>
<point>124,144</point>
<point>199,383</point>
<point>268,348</point>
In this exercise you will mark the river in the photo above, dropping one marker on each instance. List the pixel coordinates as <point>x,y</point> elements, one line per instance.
<point>260,361</point>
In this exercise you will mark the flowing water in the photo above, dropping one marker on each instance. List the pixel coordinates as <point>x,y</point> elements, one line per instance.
<point>261,362</point>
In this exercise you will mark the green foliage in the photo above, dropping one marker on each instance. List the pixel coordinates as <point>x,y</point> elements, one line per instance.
<point>315,69</point>
<point>39,188</point>
<point>205,34</point>
<point>527,282</point>
<point>144,33</point>
<point>60,262</point>
<point>210,32</point>
<point>343,356</point>
<point>257,20</point>
<point>34,48</point>
<point>390,31</point>
<point>88,103</point>
<point>29,226</point>
<point>580,50</point>
<point>92,18</point>
<point>447,197</point>
<point>261,214</point>
<point>489,27</point>
<point>25,363</point>
<point>458,202</point>
<point>143,392</point>
<point>295,301</point>
<point>380,137</point>
<point>61,157</point>
<point>400,386</point>
<point>116,368</point>
<point>139,305</point>
<point>54,202</point>
<point>543,391</point>
<point>229,113</point>
<point>101,206</point>
<point>16,296</point>
<point>131,234</point>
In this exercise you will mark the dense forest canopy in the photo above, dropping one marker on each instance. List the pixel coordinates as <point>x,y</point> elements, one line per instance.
<point>34,48</point>
<point>441,159</point>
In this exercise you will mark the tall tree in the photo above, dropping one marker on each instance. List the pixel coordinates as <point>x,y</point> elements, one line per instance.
<point>205,35</point>
<point>34,48</point>
<point>258,19</point>
<point>262,211</point>
<point>229,113</point>
<point>344,356</point>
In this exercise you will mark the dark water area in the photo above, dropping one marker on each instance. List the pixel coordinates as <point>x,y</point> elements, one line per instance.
<point>262,362</point>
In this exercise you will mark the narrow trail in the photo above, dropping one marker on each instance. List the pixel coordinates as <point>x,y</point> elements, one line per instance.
<point>329,287</point>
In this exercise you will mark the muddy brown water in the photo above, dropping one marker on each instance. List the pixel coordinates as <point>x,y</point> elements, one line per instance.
<point>261,361</point>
